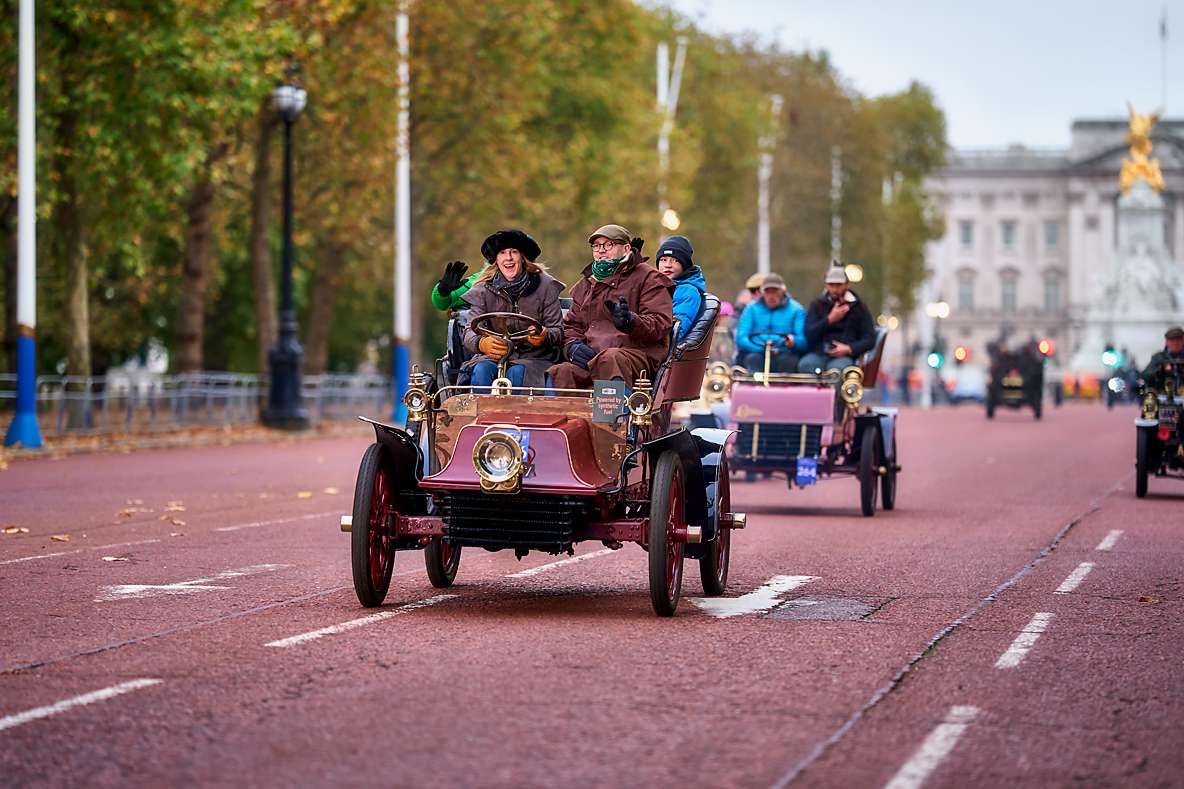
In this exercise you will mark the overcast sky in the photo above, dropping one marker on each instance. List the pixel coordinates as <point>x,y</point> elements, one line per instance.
<point>1004,71</point>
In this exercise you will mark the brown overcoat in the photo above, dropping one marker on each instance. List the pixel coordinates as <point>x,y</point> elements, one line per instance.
<point>648,293</point>
<point>539,300</point>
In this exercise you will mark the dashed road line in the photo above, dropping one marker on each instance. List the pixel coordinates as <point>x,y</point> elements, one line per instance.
<point>1075,578</point>
<point>1108,541</point>
<point>77,701</point>
<point>292,641</point>
<point>542,568</point>
<point>937,746</point>
<point>1024,641</point>
<point>79,550</point>
<point>761,599</point>
<point>275,521</point>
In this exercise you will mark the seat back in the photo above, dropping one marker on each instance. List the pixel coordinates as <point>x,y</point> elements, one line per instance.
<point>870,361</point>
<point>681,376</point>
<point>455,355</point>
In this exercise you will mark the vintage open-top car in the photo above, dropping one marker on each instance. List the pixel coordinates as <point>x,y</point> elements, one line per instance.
<point>812,426</point>
<point>524,469</point>
<point>1159,441</point>
<point>1016,380</point>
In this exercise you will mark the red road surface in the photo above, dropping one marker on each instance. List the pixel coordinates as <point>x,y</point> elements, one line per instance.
<point>565,677</point>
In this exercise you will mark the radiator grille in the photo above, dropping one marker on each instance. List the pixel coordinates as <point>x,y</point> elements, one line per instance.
<point>778,442</point>
<point>528,521</point>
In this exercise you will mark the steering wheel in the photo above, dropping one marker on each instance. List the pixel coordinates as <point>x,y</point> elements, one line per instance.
<point>752,338</point>
<point>497,324</point>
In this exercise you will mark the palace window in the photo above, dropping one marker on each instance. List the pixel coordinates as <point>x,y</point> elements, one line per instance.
<point>966,233</point>
<point>966,291</point>
<point>1052,234</point>
<point>1008,283</point>
<point>1052,291</point>
<point>1007,233</point>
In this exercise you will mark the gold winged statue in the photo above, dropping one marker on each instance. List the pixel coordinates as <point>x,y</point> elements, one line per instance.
<point>1140,164</point>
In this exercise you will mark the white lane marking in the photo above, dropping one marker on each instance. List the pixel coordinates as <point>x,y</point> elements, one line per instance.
<point>1024,641</point>
<point>542,568</point>
<point>80,550</point>
<point>134,591</point>
<point>78,701</point>
<point>761,599</point>
<point>1108,541</point>
<point>257,524</point>
<point>1075,578</point>
<point>292,641</point>
<point>936,747</point>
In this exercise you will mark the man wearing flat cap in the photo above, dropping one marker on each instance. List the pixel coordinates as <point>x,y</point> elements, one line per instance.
<point>1163,361</point>
<point>621,315</point>
<point>839,327</point>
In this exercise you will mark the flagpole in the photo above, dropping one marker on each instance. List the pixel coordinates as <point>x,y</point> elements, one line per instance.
<point>401,367</point>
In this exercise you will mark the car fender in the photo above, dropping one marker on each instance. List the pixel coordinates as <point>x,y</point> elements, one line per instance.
<point>887,431</point>
<point>406,457</point>
<point>712,443</point>
<point>684,443</point>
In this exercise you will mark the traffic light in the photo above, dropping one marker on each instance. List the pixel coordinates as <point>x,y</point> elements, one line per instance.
<point>1110,356</point>
<point>934,360</point>
<point>961,354</point>
<point>1046,347</point>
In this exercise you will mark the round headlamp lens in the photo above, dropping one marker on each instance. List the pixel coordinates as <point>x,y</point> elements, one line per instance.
<point>498,457</point>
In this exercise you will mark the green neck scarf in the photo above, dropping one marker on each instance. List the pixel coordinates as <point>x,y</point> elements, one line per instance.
<point>603,269</point>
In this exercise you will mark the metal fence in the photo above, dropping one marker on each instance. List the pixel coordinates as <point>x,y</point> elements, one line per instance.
<point>120,402</point>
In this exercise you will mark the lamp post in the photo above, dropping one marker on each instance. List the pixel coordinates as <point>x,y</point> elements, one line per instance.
<point>284,409</point>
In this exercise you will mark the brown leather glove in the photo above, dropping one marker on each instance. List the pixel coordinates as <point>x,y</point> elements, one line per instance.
<point>493,347</point>
<point>536,340</point>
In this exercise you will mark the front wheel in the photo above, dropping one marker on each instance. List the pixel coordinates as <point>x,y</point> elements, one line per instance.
<point>869,472</point>
<point>667,514</point>
<point>1142,460</point>
<point>888,483</point>
<point>990,408</point>
<point>442,560</point>
<point>372,545</point>
<point>713,567</point>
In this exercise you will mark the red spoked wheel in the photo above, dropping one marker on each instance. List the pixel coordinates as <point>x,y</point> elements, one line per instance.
<point>713,567</point>
<point>442,559</point>
<point>373,547</point>
<point>667,517</point>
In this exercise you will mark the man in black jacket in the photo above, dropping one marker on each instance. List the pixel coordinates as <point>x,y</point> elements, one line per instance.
<point>1163,361</point>
<point>839,328</point>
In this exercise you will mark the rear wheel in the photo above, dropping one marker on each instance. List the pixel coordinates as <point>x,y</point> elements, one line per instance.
<point>869,471</point>
<point>990,407</point>
<point>713,567</point>
<point>667,514</point>
<point>888,482</point>
<point>442,559</point>
<point>1038,408</point>
<point>1142,461</point>
<point>372,545</point>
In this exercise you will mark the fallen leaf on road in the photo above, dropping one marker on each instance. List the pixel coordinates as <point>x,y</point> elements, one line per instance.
<point>332,491</point>
<point>174,506</point>
<point>1148,599</point>
<point>176,534</point>
<point>174,521</point>
<point>304,494</point>
<point>116,559</point>
<point>15,530</point>
<point>135,501</point>
<point>60,537</point>
<point>127,512</point>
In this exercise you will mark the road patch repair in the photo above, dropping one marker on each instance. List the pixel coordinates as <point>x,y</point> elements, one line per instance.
<point>829,609</point>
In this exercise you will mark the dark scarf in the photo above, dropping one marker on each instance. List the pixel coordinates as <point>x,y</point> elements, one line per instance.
<point>518,287</point>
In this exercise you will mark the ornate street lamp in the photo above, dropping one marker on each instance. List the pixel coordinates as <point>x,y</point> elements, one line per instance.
<point>284,409</point>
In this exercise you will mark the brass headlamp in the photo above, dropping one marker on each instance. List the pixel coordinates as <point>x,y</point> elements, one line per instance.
<point>851,387</point>
<point>640,402</point>
<point>497,459</point>
<point>1150,405</point>
<point>416,398</point>
<point>718,384</point>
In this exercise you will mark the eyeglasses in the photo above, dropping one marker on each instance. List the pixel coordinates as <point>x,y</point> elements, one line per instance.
<point>604,246</point>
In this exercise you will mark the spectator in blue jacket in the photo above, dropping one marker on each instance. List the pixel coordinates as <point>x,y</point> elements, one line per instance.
<point>775,317</point>
<point>675,261</point>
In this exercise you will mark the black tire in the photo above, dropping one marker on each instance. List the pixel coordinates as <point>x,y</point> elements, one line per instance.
<point>1038,408</point>
<point>373,552</point>
<point>713,567</point>
<point>888,482</point>
<point>869,471</point>
<point>667,509</point>
<point>990,408</point>
<point>1142,458</point>
<point>442,560</point>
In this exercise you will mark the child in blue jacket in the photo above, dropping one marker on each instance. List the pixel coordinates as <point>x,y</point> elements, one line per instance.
<point>775,317</point>
<point>675,261</point>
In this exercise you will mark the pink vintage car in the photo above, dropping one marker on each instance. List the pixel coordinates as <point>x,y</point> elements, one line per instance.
<point>813,426</point>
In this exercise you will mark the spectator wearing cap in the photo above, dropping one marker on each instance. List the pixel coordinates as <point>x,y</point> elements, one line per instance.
<point>675,261</point>
<point>751,292</point>
<point>839,327</point>
<point>1172,353</point>
<point>621,315</point>
<point>774,318</point>
<point>512,281</point>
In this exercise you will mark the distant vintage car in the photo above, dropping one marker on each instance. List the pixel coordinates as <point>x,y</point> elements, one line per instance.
<point>1159,438</point>
<point>523,469</point>
<point>1016,381</point>
<point>814,426</point>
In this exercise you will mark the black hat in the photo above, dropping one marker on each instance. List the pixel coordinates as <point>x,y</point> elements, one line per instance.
<point>1174,333</point>
<point>510,239</point>
<point>679,248</point>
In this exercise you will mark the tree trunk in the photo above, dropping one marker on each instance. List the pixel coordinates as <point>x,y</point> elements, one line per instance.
<point>199,247</point>
<point>69,228</point>
<point>330,261</point>
<point>260,246</point>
